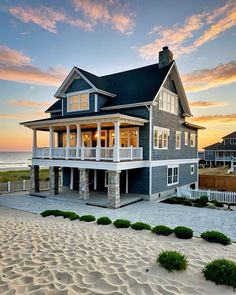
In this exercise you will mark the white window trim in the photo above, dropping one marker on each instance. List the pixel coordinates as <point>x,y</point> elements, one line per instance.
<point>193,145</point>
<point>172,167</point>
<point>163,89</point>
<point>186,137</point>
<point>192,169</point>
<point>160,129</point>
<point>177,133</point>
<point>77,93</point>
<point>125,129</point>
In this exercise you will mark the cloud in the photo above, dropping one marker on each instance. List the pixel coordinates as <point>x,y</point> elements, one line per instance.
<point>13,57</point>
<point>24,116</point>
<point>176,36</point>
<point>29,103</point>
<point>229,119</point>
<point>15,66</point>
<point>204,79</point>
<point>99,12</point>
<point>94,12</point>
<point>206,104</point>
<point>46,17</point>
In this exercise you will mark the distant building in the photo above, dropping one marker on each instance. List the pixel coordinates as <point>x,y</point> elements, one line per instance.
<point>119,134</point>
<point>222,153</point>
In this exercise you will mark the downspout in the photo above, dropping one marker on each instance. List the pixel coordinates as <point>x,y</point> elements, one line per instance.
<point>150,149</point>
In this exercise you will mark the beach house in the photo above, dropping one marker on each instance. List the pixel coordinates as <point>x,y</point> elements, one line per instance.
<point>222,153</point>
<point>120,134</point>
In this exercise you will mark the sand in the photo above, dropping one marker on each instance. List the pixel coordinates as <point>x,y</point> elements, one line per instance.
<point>45,256</point>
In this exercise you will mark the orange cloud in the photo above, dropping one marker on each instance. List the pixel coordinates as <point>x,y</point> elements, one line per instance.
<point>15,66</point>
<point>229,119</point>
<point>176,35</point>
<point>99,12</point>
<point>29,103</point>
<point>199,80</point>
<point>206,104</point>
<point>46,17</point>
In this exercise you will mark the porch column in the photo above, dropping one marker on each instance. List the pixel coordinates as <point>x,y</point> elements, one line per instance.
<point>51,142</point>
<point>71,178</point>
<point>84,184</point>
<point>78,140</point>
<point>98,148</point>
<point>113,191</point>
<point>67,141</point>
<point>34,144</point>
<point>53,180</point>
<point>34,179</point>
<point>116,156</point>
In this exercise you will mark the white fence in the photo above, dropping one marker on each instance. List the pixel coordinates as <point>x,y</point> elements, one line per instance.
<point>23,185</point>
<point>227,197</point>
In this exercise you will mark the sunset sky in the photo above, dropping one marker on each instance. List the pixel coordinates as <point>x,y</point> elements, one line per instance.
<point>40,42</point>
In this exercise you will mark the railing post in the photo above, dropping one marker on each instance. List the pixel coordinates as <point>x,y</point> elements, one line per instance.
<point>131,152</point>
<point>23,185</point>
<point>78,139</point>
<point>9,186</point>
<point>116,156</point>
<point>82,153</point>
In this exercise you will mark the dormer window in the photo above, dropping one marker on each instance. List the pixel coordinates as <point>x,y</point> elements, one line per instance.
<point>168,101</point>
<point>78,101</point>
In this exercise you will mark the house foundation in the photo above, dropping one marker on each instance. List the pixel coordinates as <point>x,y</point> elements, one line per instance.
<point>54,180</point>
<point>114,189</point>
<point>84,184</point>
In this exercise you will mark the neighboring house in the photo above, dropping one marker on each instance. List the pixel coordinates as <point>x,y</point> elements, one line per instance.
<point>222,153</point>
<point>120,133</point>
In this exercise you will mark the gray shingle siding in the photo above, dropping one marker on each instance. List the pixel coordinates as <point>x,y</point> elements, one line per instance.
<point>78,85</point>
<point>159,177</point>
<point>209,155</point>
<point>102,100</point>
<point>173,123</point>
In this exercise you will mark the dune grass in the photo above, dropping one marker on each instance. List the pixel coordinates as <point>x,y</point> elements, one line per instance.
<point>19,175</point>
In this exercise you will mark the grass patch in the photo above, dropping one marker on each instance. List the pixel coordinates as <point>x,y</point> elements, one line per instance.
<point>87,218</point>
<point>162,230</point>
<point>20,175</point>
<point>183,232</point>
<point>122,223</point>
<point>172,260</point>
<point>140,226</point>
<point>221,271</point>
<point>104,220</point>
<point>216,237</point>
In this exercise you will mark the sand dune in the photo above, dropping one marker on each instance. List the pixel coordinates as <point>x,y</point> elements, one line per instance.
<point>50,256</point>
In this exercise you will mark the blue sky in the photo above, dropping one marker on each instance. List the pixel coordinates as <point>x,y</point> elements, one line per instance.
<point>40,42</point>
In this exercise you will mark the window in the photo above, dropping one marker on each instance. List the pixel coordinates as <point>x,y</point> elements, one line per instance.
<point>191,169</point>
<point>233,141</point>
<point>168,101</point>
<point>186,138</point>
<point>78,102</point>
<point>178,140</point>
<point>173,175</point>
<point>161,138</point>
<point>192,140</point>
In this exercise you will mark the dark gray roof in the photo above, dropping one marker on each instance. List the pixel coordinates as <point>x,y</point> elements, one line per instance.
<point>231,135</point>
<point>220,146</point>
<point>55,107</point>
<point>137,85</point>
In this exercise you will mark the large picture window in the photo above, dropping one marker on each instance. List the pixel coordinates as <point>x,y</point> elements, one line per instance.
<point>160,138</point>
<point>178,140</point>
<point>192,140</point>
<point>77,102</point>
<point>168,101</point>
<point>173,175</point>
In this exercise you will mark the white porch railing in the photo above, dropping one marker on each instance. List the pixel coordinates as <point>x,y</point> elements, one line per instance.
<point>89,153</point>
<point>228,197</point>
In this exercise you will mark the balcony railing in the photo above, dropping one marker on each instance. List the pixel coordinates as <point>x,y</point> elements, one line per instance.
<point>225,158</point>
<point>89,153</point>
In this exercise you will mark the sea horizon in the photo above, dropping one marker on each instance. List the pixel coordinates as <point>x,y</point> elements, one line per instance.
<point>15,160</point>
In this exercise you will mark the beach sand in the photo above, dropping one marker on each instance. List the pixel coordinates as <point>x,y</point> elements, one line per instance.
<point>46,256</point>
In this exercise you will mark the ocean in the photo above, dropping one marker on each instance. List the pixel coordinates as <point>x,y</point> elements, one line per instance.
<point>15,160</point>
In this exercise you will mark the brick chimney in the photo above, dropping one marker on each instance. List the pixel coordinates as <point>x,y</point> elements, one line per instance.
<point>165,57</point>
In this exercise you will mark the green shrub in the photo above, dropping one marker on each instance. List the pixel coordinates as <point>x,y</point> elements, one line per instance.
<point>122,223</point>
<point>170,201</point>
<point>104,220</point>
<point>140,226</point>
<point>172,260</point>
<point>187,203</point>
<point>162,230</point>
<point>183,232</point>
<point>70,215</point>
<point>213,201</point>
<point>221,271</point>
<point>51,213</point>
<point>219,204</point>
<point>87,218</point>
<point>199,205</point>
<point>180,200</point>
<point>216,237</point>
<point>202,201</point>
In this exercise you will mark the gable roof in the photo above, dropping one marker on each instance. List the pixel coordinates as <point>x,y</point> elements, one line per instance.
<point>231,135</point>
<point>220,146</point>
<point>56,107</point>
